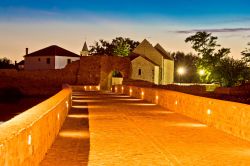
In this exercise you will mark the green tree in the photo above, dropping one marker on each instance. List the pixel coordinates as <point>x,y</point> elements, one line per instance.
<point>121,49</point>
<point>209,52</point>
<point>187,61</point>
<point>118,47</point>
<point>5,63</point>
<point>231,71</point>
<point>246,54</point>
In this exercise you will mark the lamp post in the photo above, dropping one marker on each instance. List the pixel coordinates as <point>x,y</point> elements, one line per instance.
<point>201,73</point>
<point>181,71</point>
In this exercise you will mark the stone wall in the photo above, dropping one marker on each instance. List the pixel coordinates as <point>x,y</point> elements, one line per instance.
<point>90,70</point>
<point>238,90</point>
<point>230,117</point>
<point>25,139</point>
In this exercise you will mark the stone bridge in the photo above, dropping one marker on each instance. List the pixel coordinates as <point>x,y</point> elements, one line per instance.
<point>128,126</point>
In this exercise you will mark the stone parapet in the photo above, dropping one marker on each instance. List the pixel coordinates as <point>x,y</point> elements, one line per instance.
<point>25,139</point>
<point>230,117</point>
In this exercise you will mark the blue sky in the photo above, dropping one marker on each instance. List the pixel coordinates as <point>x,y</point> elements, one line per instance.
<point>39,23</point>
<point>179,9</point>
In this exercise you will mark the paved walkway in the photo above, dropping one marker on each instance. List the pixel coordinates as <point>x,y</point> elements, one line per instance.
<point>128,131</point>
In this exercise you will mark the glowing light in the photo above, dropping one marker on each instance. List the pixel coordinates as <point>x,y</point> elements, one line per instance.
<point>90,87</point>
<point>122,88</point>
<point>85,87</point>
<point>58,116</point>
<point>141,104</point>
<point>195,125</point>
<point>201,72</point>
<point>78,116</point>
<point>176,102</point>
<point>156,99</point>
<point>74,134</point>
<point>209,112</point>
<point>67,104</point>
<point>29,139</point>
<point>181,71</point>
<point>111,89</point>
<point>130,92</point>
<point>115,89</point>
<point>89,106</point>
<point>98,87</point>
<point>142,93</point>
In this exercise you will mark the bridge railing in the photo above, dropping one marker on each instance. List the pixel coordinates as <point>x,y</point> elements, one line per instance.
<point>25,139</point>
<point>230,117</point>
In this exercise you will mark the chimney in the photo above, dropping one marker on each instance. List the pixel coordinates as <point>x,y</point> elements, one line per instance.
<point>27,51</point>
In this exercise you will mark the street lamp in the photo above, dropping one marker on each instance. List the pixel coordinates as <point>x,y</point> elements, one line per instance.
<point>181,71</point>
<point>201,72</point>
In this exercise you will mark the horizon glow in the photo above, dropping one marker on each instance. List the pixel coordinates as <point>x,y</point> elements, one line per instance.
<point>38,24</point>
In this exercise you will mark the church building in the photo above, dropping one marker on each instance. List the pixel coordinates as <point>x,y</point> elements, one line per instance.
<point>152,64</point>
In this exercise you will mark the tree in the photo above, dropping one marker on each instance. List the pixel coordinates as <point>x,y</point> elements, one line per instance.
<point>188,61</point>
<point>246,54</point>
<point>121,49</point>
<point>118,47</point>
<point>210,56</point>
<point>5,63</point>
<point>231,71</point>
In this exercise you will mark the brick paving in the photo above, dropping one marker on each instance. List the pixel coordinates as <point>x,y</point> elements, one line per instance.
<point>128,131</point>
<point>71,147</point>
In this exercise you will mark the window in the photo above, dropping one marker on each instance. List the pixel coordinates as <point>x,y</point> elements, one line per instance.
<point>48,60</point>
<point>39,59</point>
<point>139,72</point>
<point>68,61</point>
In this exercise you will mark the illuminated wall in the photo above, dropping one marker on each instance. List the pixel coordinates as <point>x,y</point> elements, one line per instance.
<point>230,117</point>
<point>25,139</point>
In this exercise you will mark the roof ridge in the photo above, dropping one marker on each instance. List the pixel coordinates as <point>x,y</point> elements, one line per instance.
<point>162,51</point>
<point>52,50</point>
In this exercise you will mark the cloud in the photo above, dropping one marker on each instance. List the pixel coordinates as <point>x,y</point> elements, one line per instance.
<point>222,30</point>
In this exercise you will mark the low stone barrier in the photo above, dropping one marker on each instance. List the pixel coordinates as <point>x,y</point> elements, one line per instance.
<point>25,139</point>
<point>230,117</point>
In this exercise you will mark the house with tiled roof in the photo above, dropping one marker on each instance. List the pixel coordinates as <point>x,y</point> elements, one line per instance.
<point>152,64</point>
<point>52,57</point>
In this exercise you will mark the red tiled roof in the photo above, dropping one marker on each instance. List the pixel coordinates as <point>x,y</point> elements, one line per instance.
<point>53,51</point>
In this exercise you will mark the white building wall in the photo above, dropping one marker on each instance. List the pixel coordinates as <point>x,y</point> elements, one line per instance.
<point>117,80</point>
<point>168,72</point>
<point>62,61</point>
<point>156,75</point>
<point>147,70</point>
<point>39,63</point>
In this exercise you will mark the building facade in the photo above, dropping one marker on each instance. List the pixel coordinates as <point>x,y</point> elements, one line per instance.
<point>52,57</point>
<point>152,64</point>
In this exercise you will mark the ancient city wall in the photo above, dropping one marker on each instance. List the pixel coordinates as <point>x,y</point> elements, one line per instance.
<point>25,139</point>
<point>230,117</point>
<point>90,70</point>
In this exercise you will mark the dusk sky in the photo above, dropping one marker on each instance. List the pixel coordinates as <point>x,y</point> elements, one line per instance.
<point>39,23</point>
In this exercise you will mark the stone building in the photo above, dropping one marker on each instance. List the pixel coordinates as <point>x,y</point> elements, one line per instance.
<point>52,57</point>
<point>152,64</point>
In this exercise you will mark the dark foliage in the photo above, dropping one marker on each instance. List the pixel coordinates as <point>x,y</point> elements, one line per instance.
<point>188,61</point>
<point>118,47</point>
<point>5,63</point>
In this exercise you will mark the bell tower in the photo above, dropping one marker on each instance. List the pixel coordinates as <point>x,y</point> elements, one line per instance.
<point>85,51</point>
